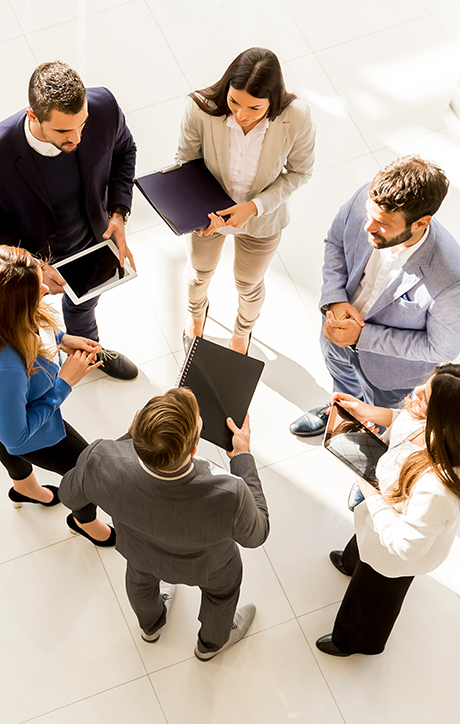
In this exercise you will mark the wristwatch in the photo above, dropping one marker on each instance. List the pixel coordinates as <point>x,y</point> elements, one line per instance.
<point>122,210</point>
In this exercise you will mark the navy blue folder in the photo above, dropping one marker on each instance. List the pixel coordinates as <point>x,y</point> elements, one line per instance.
<point>185,195</point>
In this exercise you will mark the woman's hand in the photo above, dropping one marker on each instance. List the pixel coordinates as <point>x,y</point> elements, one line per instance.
<point>239,214</point>
<point>362,411</point>
<point>70,343</point>
<point>77,366</point>
<point>216,223</point>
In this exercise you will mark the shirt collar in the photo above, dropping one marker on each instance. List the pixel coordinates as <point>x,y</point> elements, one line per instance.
<point>42,147</point>
<point>167,477</point>
<point>261,127</point>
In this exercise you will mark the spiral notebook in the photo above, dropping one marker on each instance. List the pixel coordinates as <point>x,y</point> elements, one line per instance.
<point>223,382</point>
<point>184,195</point>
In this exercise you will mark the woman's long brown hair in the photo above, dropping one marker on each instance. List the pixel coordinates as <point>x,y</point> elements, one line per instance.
<point>442,438</point>
<point>256,71</point>
<point>21,311</point>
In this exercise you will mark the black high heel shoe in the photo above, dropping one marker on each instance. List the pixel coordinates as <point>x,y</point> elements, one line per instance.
<point>18,499</point>
<point>187,341</point>
<point>111,540</point>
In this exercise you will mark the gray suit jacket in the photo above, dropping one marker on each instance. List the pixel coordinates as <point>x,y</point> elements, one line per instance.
<point>285,164</point>
<point>181,530</point>
<point>415,322</point>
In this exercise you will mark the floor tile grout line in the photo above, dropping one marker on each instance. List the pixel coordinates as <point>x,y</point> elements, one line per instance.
<point>79,17</point>
<point>169,46</point>
<point>84,698</point>
<point>278,579</point>
<point>322,673</point>
<point>157,698</point>
<point>24,35</point>
<point>36,550</point>
<point>121,611</point>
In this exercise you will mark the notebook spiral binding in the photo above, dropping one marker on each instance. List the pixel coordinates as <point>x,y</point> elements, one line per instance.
<point>187,362</point>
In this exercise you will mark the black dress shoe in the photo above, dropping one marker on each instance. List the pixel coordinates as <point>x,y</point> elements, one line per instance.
<point>187,341</point>
<point>326,645</point>
<point>17,499</point>
<point>117,365</point>
<point>311,423</point>
<point>111,540</point>
<point>336,560</point>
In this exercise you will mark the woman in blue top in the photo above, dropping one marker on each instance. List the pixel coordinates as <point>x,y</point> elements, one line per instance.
<point>33,385</point>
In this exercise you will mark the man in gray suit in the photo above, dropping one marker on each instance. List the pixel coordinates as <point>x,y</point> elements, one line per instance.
<point>391,289</point>
<point>178,517</point>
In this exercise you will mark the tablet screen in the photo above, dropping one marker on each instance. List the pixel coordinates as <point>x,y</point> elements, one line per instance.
<point>91,270</point>
<point>355,445</point>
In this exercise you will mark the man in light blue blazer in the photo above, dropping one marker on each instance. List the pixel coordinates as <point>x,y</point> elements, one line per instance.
<point>391,289</point>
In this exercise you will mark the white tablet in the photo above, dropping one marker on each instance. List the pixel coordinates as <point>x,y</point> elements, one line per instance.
<point>93,271</point>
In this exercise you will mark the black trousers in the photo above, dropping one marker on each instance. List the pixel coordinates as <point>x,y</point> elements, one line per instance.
<point>59,458</point>
<point>218,603</point>
<point>80,319</point>
<point>369,608</point>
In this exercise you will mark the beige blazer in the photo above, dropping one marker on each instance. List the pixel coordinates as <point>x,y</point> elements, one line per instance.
<point>286,161</point>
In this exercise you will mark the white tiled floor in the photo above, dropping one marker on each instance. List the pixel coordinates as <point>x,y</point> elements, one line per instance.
<point>378,75</point>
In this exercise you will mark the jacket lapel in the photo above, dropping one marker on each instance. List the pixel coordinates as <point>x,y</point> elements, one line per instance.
<point>220,137</point>
<point>273,146</point>
<point>25,163</point>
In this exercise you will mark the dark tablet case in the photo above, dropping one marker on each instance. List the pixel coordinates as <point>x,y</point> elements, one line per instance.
<point>184,196</point>
<point>224,382</point>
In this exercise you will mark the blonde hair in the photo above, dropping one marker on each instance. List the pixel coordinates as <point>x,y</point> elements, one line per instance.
<point>21,311</point>
<point>165,431</point>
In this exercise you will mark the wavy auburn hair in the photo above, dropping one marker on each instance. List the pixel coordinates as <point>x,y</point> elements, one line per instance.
<point>256,71</point>
<point>442,438</point>
<point>22,312</point>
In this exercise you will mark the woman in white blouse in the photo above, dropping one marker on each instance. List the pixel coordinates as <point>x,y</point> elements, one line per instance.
<point>407,526</point>
<point>258,141</point>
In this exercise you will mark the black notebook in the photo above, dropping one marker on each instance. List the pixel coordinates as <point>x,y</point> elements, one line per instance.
<point>185,195</point>
<point>223,382</point>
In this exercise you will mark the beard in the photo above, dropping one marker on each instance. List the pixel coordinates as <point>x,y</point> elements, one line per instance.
<point>379,242</point>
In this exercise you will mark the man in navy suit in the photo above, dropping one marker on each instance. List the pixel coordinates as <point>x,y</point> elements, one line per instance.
<point>66,184</point>
<point>391,289</point>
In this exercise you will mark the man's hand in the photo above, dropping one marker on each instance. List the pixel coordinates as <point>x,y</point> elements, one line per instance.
<point>241,437</point>
<point>70,343</point>
<point>239,214</point>
<point>116,228</point>
<point>343,332</point>
<point>344,310</point>
<point>53,280</point>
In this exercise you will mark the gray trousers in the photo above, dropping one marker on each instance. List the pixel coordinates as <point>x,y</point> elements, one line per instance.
<point>251,261</point>
<point>218,603</point>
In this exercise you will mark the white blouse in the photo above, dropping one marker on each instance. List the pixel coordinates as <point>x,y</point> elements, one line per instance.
<point>416,536</point>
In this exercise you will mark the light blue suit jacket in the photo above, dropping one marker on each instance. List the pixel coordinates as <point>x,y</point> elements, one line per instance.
<point>415,323</point>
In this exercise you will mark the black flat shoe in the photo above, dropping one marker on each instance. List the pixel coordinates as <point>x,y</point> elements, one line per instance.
<point>117,365</point>
<point>325,645</point>
<point>336,560</point>
<point>111,540</point>
<point>17,499</point>
<point>186,340</point>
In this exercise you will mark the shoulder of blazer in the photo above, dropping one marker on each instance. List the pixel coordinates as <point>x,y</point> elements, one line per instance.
<point>297,113</point>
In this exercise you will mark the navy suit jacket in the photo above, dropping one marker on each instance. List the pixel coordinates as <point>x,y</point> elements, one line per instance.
<point>414,324</point>
<point>106,154</point>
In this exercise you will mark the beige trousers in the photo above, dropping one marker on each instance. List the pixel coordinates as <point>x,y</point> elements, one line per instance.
<point>252,257</point>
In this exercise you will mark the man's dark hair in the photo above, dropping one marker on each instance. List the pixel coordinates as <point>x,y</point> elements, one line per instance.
<point>165,431</point>
<point>55,87</point>
<point>411,185</point>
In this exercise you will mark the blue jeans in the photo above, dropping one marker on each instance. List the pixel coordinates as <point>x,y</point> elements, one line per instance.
<point>343,365</point>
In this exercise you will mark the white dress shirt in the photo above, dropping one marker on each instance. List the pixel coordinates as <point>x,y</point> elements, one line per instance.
<point>42,147</point>
<point>415,537</point>
<point>379,272</point>
<point>243,157</point>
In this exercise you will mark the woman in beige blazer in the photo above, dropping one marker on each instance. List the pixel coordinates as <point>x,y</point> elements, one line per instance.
<point>258,141</point>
